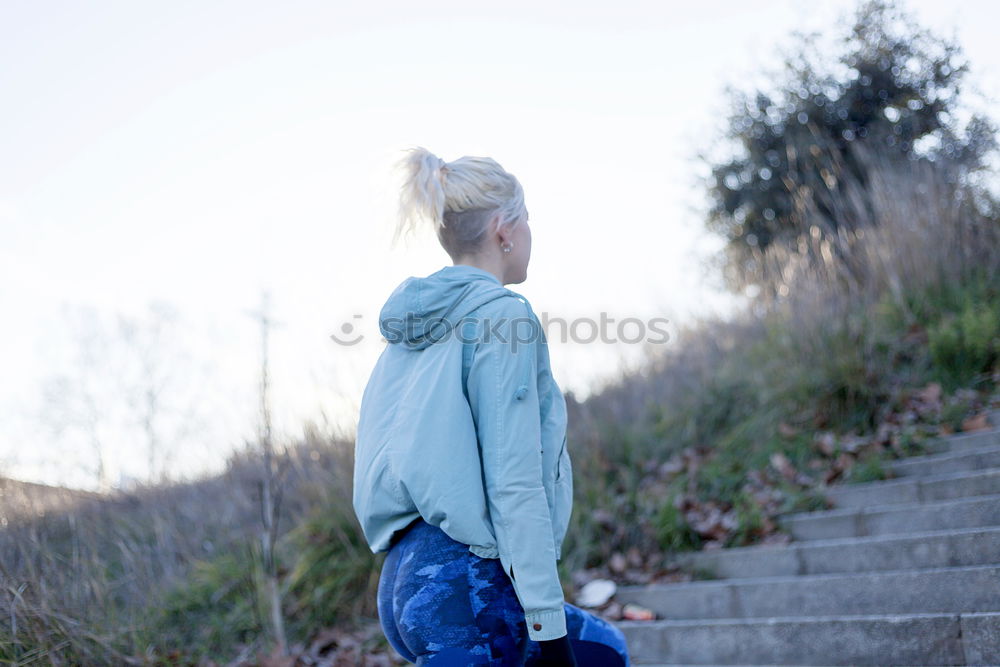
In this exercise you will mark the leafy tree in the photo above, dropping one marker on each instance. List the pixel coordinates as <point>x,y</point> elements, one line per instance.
<point>893,89</point>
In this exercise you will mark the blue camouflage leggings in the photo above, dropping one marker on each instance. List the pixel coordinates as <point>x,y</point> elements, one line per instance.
<point>440,604</point>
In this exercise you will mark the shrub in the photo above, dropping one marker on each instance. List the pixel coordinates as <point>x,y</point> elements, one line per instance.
<point>965,345</point>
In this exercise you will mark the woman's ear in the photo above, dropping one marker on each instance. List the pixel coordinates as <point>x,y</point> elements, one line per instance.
<point>503,234</point>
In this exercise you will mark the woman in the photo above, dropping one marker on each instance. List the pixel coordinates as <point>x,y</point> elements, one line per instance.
<point>461,469</point>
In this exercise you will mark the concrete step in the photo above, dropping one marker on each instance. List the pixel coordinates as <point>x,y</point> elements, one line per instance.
<point>930,549</point>
<point>899,639</point>
<point>887,578</point>
<point>967,453</point>
<point>933,590</point>
<point>974,512</point>
<point>742,664</point>
<point>970,460</point>
<point>963,442</point>
<point>915,489</point>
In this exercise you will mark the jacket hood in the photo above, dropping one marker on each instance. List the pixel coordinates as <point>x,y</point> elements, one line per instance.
<point>423,310</point>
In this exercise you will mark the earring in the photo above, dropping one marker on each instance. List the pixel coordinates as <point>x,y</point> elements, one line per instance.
<point>507,248</point>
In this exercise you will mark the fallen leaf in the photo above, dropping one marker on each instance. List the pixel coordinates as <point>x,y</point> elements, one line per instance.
<point>596,593</point>
<point>783,465</point>
<point>853,443</point>
<point>930,394</point>
<point>617,563</point>
<point>633,612</point>
<point>826,443</point>
<point>976,423</point>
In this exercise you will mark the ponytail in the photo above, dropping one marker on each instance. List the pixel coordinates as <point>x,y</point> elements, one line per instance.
<point>458,199</point>
<point>422,195</point>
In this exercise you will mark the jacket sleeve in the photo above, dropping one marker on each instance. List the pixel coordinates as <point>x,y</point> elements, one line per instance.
<point>503,395</point>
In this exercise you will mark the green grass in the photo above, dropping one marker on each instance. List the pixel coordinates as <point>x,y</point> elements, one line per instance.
<point>867,469</point>
<point>672,532</point>
<point>334,577</point>
<point>214,611</point>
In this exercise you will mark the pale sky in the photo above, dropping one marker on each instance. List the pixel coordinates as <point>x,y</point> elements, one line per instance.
<point>199,152</point>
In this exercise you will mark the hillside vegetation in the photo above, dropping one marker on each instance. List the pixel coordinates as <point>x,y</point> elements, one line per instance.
<point>735,422</point>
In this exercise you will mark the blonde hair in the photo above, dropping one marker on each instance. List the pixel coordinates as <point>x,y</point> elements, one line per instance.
<point>458,198</point>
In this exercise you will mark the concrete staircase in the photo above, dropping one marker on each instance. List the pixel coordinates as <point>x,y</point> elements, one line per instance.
<point>903,572</point>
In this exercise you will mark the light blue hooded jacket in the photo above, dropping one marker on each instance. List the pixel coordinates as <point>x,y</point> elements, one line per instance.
<point>463,424</point>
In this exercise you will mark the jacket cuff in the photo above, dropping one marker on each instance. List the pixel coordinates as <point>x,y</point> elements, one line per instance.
<point>550,624</point>
<point>485,552</point>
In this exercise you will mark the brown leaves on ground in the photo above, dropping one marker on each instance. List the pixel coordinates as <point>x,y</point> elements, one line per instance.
<point>921,409</point>
<point>976,423</point>
<point>709,519</point>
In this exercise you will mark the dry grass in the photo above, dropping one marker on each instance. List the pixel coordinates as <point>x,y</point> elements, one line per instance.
<point>81,580</point>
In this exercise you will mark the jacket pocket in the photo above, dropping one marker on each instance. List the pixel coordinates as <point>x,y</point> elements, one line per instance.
<point>562,498</point>
<point>559,459</point>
